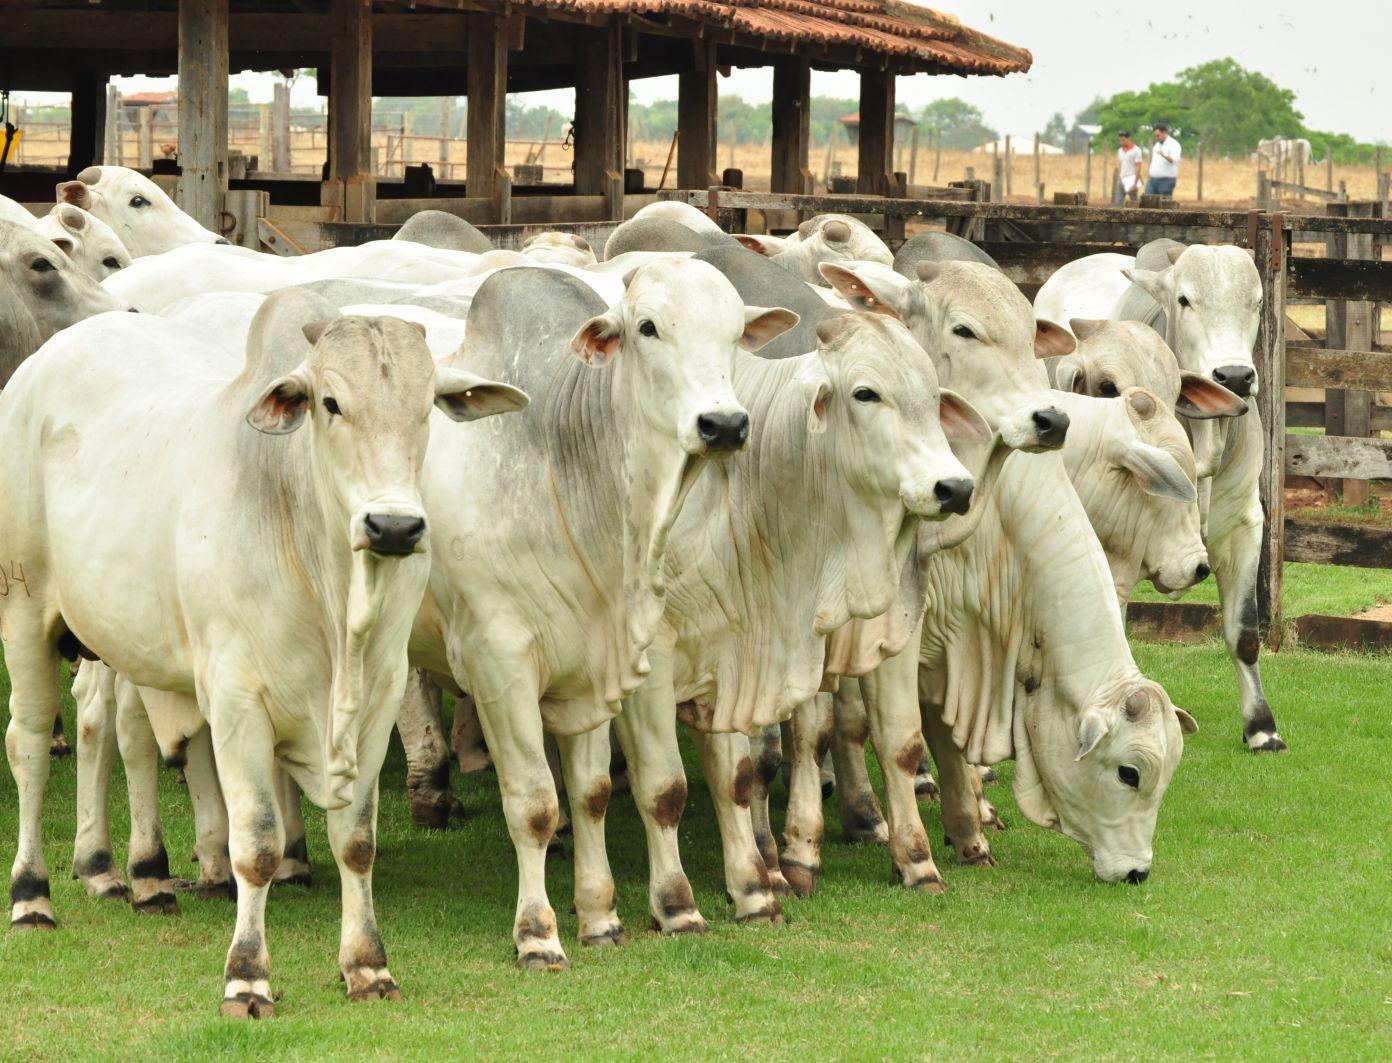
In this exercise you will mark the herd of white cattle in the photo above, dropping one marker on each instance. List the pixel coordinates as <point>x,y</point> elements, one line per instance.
<point>862,495</point>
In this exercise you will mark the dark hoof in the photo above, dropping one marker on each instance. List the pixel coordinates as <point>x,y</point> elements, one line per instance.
<point>114,891</point>
<point>247,1006</point>
<point>802,879</point>
<point>216,891</point>
<point>773,913</point>
<point>436,811</point>
<point>302,879</point>
<point>184,885</point>
<point>993,821</point>
<point>159,904</point>
<point>828,788</point>
<point>33,921</point>
<point>381,989</point>
<point>1270,744</point>
<point>976,856</point>
<point>693,925</point>
<point>543,960</point>
<point>927,884</point>
<point>610,938</point>
<point>555,849</point>
<point>59,748</point>
<point>926,786</point>
<point>988,776</point>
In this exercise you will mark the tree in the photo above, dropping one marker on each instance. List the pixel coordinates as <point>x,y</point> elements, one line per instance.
<point>961,124</point>
<point>1056,132</point>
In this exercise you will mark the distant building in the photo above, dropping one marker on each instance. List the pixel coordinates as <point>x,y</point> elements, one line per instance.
<point>903,127</point>
<point>1077,139</point>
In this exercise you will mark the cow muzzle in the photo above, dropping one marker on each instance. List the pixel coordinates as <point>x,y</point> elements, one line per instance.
<point>1051,426</point>
<point>1241,380</point>
<point>723,431</point>
<point>392,534</point>
<point>953,496</point>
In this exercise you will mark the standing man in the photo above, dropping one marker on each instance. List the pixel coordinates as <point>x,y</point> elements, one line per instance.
<point>1128,177</point>
<point>1164,163</point>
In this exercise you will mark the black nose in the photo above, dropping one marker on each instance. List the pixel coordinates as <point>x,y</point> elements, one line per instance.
<point>391,535</point>
<point>132,310</point>
<point>723,431</point>
<point>1201,573</point>
<point>1052,426</point>
<point>1236,378</point>
<point>1136,876</point>
<point>955,495</point>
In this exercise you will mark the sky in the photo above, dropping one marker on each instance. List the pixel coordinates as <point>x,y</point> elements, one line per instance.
<point>1331,53</point>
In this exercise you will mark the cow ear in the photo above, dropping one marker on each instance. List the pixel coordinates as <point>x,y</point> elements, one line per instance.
<point>315,329</point>
<point>1156,471</point>
<point>837,231</point>
<point>1150,282</point>
<point>75,192</point>
<point>1084,327</point>
<point>1052,341</point>
<point>466,397</point>
<point>762,324</point>
<point>961,422</point>
<point>767,246</point>
<point>1092,728</point>
<point>70,217</point>
<point>598,340</point>
<point>1187,724</point>
<point>866,290</point>
<point>282,406</point>
<point>1069,376</point>
<point>1202,398</point>
<point>64,244</point>
<point>816,390</point>
<point>1173,254</point>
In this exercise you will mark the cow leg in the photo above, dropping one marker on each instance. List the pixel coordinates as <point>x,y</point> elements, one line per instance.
<point>147,861</point>
<point>891,704</point>
<point>215,880</point>
<point>861,818</point>
<point>767,748</point>
<point>59,746</point>
<point>244,746</point>
<point>810,733</point>
<point>585,762</point>
<point>729,772</point>
<point>94,690</point>
<point>294,869</point>
<point>466,738</point>
<point>553,761</point>
<point>960,786</point>
<point>32,661</point>
<point>422,729</point>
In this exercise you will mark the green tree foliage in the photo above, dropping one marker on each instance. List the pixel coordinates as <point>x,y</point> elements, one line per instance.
<point>961,123</point>
<point>1056,131</point>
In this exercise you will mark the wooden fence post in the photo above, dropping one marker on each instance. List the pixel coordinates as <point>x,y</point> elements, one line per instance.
<point>1270,252</point>
<point>281,160</point>
<point>913,155</point>
<point>1200,188</point>
<point>145,139</point>
<point>1087,173</point>
<point>1349,327</point>
<point>1009,169</point>
<point>937,155</point>
<point>111,153</point>
<point>1037,178</point>
<point>1328,168</point>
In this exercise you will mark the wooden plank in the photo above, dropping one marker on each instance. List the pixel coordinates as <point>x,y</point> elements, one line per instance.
<point>1322,543</point>
<point>598,106</point>
<point>351,185</point>
<point>1270,255</point>
<point>87,127</point>
<point>1341,279</point>
<point>1187,622</point>
<point>1343,632</point>
<point>1345,457</point>
<point>203,110</point>
<point>487,112</point>
<point>696,120</point>
<point>792,136</point>
<point>1313,367</point>
<point>875,148</point>
<point>1026,263</point>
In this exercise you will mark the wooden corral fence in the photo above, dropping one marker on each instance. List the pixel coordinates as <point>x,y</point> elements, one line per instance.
<point>1031,242</point>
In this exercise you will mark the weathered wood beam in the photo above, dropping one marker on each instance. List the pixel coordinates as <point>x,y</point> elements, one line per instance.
<point>1322,543</point>
<point>876,145</point>
<point>1343,457</point>
<point>487,114</point>
<point>598,107</point>
<point>1342,279</point>
<point>202,183</point>
<point>1270,255</point>
<point>351,185</point>
<point>792,136</point>
<point>697,111</point>
<point>1315,367</point>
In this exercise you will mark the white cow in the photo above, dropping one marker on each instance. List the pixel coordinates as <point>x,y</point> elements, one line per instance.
<point>557,248</point>
<point>698,221</point>
<point>326,526</point>
<point>140,213</point>
<point>85,239</point>
<point>15,213</point>
<point>833,238</point>
<point>1295,151</point>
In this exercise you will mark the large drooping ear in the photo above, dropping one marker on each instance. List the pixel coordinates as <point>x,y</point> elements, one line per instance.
<point>283,405</point>
<point>878,290</point>
<point>1152,283</point>
<point>75,192</point>
<point>1069,376</point>
<point>466,397</point>
<point>1084,327</point>
<point>1187,724</point>
<point>763,245</point>
<point>1202,398</point>
<point>1092,728</point>
<point>315,329</point>
<point>1155,470</point>
<point>1173,254</point>
<point>762,324</point>
<point>816,390</point>
<point>598,339</point>
<point>960,420</point>
<point>1052,341</point>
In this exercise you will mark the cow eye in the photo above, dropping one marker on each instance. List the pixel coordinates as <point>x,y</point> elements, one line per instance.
<point>964,332</point>
<point>647,328</point>
<point>866,395</point>
<point>111,263</point>
<point>42,265</point>
<point>139,201</point>
<point>1107,389</point>
<point>1184,300</point>
<point>331,404</point>
<point>1130,776</point>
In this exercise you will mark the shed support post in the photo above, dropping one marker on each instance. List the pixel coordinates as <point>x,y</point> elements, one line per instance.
<point>487,108</point>
<point>202,185</point>
<point>792,136</point>
<point>1271,252</point>
<point>1349,327</point>
<point>876,149</point>
<point>351,185</point>
<point>88,122</point>
<point>696,120</point>
<point>598,116</point>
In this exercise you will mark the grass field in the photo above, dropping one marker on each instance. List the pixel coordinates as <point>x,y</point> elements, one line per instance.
<point>1265,929</point>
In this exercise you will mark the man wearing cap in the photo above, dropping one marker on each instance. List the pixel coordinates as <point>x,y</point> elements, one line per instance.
<point>1128,179</point>
<point>1164,163</point>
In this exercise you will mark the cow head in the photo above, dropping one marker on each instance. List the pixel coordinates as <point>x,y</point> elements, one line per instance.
<point>825,238</point>
<point>559,249</point>
<point>85,239</point>
<point>1212,298</point>
<point>137,210</point>
<point>41,291</point>
<point>981,334</point>
<point>1098,775</point>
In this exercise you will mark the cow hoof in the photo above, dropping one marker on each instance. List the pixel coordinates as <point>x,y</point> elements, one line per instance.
<point>779,885</point>
<point>988,775</point>
<point>247,1006</point>
<point>472,761</point>
<point>59,747</point>
<point>975,856</point>
<point>34,920</point>
<point>828,788</point>
<point>926,786</point>
<point>991,818</point>
<point>541,958</point>
<point>802,878</point>
<point>927,884</point>
<point>370,983</point>
<point>687,922</point>
<point>436,810</point>
<point>605,939</point>
<point>555,849</point>
<point>162,903</point>
<point>225,890</point>
<point>770,913</point>
<point>108,887</point>
<point>1266,742</point>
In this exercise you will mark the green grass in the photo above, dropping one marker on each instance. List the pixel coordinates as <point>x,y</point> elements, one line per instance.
<point>1265,929</point>
<point>1331,590</point>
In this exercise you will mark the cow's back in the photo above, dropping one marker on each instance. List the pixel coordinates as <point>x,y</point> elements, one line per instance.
<point>762,282</point>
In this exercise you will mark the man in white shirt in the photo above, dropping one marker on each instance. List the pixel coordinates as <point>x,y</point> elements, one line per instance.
<point>1164,163</point>
<point>1128,180</point>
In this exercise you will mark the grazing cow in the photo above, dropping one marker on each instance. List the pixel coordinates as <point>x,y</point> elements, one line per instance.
<point>325,523</point>
<point>1295,151</point>
<point>14,213</point>
<point>440,229</point>
<point>142,216</point>
<point>85,239</point>
<point>825,238</point>
<point>560,249</point>
<point>548,585</point>
<point>41,291</point>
